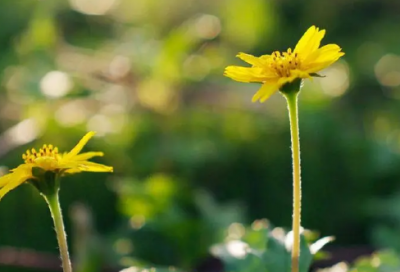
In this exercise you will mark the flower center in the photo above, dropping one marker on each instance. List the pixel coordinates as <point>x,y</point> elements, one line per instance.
<point>46,151</point>
<point>282,63</point>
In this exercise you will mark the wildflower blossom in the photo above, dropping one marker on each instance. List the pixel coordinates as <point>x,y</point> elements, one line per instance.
<point>278,69</point>
<point>48,158</point>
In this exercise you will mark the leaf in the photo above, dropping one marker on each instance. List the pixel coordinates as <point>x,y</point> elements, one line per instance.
<point>276,257</point>
<point>261,249</point>
<point>320,243</point>
<point>238,257</point>
<point>305,255</point>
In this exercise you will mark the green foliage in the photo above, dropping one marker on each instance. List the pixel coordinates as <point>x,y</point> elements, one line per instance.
<point>164,223</point>
<point>386,224</point>
<point>381,261</point>
<point>261,248</point>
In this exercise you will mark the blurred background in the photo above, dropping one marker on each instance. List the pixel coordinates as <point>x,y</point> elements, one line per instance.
<point>191,153</point>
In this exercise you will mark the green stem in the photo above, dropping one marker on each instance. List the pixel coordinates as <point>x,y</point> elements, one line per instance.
<point>291,99</point>
<point>55,210</point>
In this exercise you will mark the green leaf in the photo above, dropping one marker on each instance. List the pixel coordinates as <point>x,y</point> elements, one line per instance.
<point>259,249</point>
<point>239,257</point>
<point>276,257</point>
<point>305,255</point>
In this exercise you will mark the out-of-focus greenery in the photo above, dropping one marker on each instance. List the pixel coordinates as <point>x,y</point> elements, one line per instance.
<point>261,248</point>
<point>382,261</point>
<point>184,140</point>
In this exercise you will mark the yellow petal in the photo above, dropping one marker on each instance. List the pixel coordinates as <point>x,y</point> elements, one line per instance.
<point>310,41</point>
<point>94,167</point>
<point>305,39</point>
<point>316,41</point>
<point>88,155</point>
<point>72,171</point>
<point>321,66</point>
<point>244,74</point>
<point>75,151</point>
<point>329,58</point>
<point>247,74</point>
<point>14,179</point>
<point>4,180</point>
<point>266,90</point>
<point>323,61</point>
<point>296,74</point>
<point>323,54</point>
<point>88,167</point>
<point>10,186</point>
<point>250,59</point>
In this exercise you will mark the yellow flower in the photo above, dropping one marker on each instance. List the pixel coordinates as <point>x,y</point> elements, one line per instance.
<point>49,159</point>
<point>278,69</point>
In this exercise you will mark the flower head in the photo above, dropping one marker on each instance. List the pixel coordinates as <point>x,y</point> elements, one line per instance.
<point>49,159</point>
<point>278,69</point>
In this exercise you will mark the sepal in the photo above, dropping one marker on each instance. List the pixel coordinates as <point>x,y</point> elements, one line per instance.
<point>46,182</point>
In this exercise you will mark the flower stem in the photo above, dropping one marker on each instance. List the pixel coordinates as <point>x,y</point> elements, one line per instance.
<point>291,99</point>
<point>55,210</point>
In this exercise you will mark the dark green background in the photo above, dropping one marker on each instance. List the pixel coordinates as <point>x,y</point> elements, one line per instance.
<point>191,153</point>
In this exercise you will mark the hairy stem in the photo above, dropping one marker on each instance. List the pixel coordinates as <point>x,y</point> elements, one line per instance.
<point>55,210</point>
<point>291,99</point>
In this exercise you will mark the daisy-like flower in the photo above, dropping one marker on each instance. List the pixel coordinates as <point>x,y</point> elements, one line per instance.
<point>278,69</point>
<point>49,159</point>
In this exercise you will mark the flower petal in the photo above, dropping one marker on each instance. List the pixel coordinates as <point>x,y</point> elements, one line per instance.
<point>250,59</point>
<point>72,171</point>
<point>327,56</point>
<point>323,54</point>
<point>88,155</point>
<point>296,74</point>
<point>245,74</point>
<point>75,151</point>
<point>4,180</point>
<point>310,41</point>
<point>320,66</point>
<point>266,90</point>
<point>18,176</point>
<point>94,167</point>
